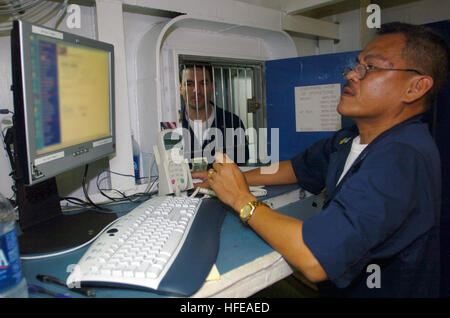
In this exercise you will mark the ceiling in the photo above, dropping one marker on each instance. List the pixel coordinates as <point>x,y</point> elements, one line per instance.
<point>322,8</point>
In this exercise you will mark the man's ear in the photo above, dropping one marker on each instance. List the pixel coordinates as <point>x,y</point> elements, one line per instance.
<point>418,87</point>
<point>181,84</point>
<point>182,90</point>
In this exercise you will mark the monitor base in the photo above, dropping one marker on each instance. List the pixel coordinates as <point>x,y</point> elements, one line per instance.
<point>63,232</point>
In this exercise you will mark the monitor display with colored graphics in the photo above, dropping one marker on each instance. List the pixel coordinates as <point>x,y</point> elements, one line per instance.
<point>64,118</point>
<point>64,100</point>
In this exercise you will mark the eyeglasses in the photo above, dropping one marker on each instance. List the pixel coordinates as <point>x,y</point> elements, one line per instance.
<point>361,70</point>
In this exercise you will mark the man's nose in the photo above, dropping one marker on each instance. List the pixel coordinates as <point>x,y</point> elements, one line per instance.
<point>352,75</point>
<point>199,89</point>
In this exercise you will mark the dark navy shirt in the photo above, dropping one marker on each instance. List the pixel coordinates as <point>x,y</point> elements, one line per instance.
<point>234,142</point>
<point>383,217</point>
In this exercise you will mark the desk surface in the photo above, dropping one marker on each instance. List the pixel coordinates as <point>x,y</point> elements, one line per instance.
<point>246,263</point>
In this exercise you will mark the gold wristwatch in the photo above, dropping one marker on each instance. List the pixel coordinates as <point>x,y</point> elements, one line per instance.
<point>247,210</point>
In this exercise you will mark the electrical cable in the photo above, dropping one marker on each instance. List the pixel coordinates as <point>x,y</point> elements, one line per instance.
<point>196,191</point>
<point>85,205</point>
<point>150,167</point>
<point>33,11</point>
<point>124,196</point>
<point>60,13</point>
<point>86,193</point>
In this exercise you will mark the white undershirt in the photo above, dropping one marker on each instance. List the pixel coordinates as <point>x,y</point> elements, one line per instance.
<point>357,148</point>
<point>199,127</point>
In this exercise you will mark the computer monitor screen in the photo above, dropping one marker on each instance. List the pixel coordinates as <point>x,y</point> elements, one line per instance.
<point>64,118</point>
<point>64,101</point>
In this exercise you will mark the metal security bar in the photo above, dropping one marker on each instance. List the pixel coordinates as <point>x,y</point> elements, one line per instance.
<point>233,87</point>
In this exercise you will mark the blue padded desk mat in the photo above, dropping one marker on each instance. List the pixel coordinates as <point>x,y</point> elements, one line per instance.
<point>239,245</point>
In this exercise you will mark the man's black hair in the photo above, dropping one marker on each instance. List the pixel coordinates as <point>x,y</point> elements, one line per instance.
<point>198,66</point>
<point>425,50</point>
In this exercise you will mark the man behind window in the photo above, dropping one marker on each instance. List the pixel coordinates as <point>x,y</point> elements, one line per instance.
<point>211,128</point>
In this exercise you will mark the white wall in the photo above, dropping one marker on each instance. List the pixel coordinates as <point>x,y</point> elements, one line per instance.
<point>136,26</point>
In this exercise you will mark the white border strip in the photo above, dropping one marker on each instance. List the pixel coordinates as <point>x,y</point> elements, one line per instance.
<point>247,279</point>
<point>53,156</point>
<point>47,32</point>
<point>102,142</point>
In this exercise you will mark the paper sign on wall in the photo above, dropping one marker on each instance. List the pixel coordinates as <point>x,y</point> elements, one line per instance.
<point>315,108</point>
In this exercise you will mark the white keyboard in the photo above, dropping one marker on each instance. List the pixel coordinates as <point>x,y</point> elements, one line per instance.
<point>140,247</point>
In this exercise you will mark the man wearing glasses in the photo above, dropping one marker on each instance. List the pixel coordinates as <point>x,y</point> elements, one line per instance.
<point>382,178</point>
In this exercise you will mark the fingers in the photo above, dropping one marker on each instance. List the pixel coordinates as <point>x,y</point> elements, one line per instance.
<point>199,174</point>
<point>211,177</point>
<point>221,160</point>
<point>218,168</point>
<point>204,184</point>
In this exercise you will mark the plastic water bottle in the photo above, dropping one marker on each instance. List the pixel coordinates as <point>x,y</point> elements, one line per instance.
<point>12,282</point>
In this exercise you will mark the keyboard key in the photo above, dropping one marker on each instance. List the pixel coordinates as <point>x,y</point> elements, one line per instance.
<point>171,245</point>
<point>154,271</point>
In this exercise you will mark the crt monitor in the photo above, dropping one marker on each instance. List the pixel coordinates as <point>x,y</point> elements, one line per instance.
<point>63,87</point>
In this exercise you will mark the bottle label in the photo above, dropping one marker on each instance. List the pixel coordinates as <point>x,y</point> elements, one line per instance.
<point>10,267</point>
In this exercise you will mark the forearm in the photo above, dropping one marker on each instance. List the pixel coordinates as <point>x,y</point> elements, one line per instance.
<point>279,173</point>
<point>284,234</point>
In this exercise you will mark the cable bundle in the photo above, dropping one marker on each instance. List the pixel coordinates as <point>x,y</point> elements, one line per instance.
<point>33,11</point>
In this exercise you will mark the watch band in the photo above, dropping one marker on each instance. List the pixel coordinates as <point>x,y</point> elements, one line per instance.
<point>253,205</point>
